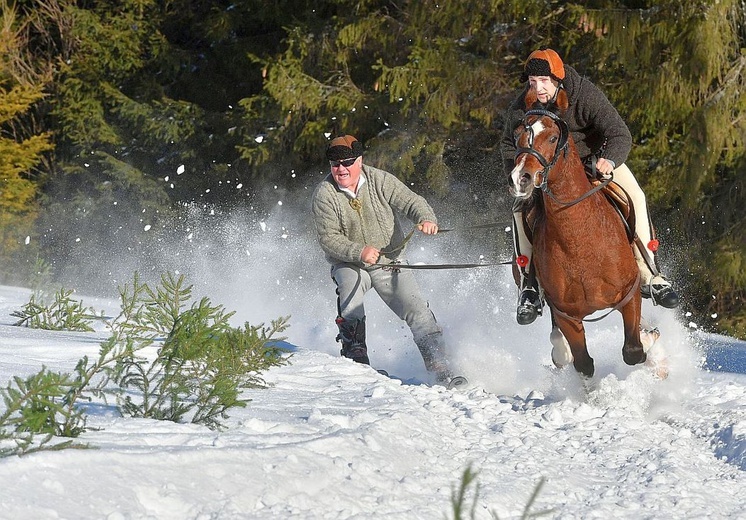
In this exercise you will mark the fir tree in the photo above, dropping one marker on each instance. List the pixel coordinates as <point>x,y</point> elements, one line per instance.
<point>22,146</point>
<point>677,72</point>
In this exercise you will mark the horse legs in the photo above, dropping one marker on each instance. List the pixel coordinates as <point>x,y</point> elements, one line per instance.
<point>648,335</point>
<point>655,360</point>
<point>574,334</point>
<point>561,353</point>
<point>633,351</point>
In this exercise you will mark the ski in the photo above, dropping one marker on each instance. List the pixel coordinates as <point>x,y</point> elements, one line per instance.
<point>454,383</point>
<point>457,382</point>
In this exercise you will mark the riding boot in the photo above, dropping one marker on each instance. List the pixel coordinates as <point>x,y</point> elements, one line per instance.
<point>529,300</point>
<point>352,336</point>
<point>653,285</point>
<point>661,293</point>
<point>433,351</point>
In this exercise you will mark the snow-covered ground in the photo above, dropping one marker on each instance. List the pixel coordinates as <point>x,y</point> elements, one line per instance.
<point>334,440</point>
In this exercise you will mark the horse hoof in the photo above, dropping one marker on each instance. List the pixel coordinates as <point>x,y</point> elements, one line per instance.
<point>634,356</point>
<point>659,367</point>
<point>587,370</point>
<point>648,337</point>
<point>657,362</point>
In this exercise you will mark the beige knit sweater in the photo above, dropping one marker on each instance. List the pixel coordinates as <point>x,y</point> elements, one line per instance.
<point>344,231</point>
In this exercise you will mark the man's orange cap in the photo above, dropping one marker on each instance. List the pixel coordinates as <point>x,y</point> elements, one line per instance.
<point>544,62</point>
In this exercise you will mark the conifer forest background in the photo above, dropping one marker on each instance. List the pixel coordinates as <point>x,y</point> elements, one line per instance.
<point>101,100</point>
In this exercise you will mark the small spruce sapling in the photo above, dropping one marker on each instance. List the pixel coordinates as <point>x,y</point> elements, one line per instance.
<point>63,313</point>
<point>198,365</point>
<point>166,361</point>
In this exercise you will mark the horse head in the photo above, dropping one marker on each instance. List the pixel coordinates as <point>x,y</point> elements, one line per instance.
<point>540,138</point>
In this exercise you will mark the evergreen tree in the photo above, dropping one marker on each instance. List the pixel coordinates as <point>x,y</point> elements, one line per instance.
<point>144,108</point>
<point>409,79</point>
<point>676,70</point>
<point>22,148</point>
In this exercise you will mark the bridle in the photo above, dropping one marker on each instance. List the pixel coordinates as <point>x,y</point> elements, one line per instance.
<point>561,148</point>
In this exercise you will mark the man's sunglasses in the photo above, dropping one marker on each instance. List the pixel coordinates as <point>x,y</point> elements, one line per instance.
<point>346,163</point>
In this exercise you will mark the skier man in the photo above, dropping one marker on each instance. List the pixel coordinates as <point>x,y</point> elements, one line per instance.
<point>355,212</point>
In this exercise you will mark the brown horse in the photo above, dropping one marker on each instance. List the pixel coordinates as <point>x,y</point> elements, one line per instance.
<point>581,250</point>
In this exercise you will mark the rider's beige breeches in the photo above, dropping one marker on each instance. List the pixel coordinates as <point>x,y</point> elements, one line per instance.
<point>622,176</point>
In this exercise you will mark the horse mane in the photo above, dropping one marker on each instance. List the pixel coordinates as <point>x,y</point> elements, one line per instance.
<point>558,106</point>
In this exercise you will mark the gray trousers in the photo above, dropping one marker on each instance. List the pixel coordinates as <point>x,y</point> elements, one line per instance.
<point>398,290</point>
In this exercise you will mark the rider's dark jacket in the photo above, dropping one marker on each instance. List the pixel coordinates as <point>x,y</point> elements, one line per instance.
<point>595,125</point>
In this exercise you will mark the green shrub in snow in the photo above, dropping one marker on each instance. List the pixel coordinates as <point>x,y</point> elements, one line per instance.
<point>165,359</point>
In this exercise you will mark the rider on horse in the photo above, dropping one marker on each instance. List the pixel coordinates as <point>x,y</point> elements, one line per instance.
<point>604,142</point>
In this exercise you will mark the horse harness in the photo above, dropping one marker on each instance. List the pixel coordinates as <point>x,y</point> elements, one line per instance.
<point>561,148</point>
<point>604,183</point>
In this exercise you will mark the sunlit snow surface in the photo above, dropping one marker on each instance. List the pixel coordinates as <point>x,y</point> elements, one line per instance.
<point>335,440</point>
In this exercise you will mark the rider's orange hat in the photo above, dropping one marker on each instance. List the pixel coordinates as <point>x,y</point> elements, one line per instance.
<point>544,62</point>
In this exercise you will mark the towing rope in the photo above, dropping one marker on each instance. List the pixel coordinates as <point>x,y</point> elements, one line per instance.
<point>437,266</point>
<point>394,266</point>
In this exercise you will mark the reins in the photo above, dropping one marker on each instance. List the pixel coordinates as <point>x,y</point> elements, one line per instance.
<point>561,148</point>
<point>437,266</point>
<point>400,246</point>
<point>605,182</point>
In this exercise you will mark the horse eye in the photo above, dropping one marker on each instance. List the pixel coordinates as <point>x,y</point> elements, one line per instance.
<point>553,139</point>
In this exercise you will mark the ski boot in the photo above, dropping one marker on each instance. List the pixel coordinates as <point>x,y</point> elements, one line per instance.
<point>432,349</point>
<point>352,336</point>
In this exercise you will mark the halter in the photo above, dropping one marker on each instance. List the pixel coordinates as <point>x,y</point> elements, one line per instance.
<point>562,145</point>
<point>561,148</point>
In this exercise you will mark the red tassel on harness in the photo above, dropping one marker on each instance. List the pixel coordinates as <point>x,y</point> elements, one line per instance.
<point>522,261</point>
<point>653,245</point>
